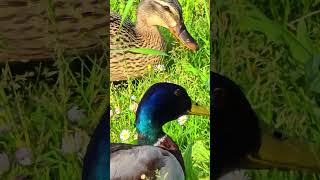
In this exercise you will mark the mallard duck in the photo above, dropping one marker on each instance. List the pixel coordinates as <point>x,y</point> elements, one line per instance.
<point>35,30</point>
<point>96,160</point>
<point>243,141</point>
<point>144,34</point>
<point>155,151</point>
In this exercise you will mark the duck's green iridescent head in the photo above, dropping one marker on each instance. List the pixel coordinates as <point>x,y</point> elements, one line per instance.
<point>162,102</point>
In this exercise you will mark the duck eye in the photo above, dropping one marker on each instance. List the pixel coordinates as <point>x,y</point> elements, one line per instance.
<point>166,8</point>
<point>177,92</point>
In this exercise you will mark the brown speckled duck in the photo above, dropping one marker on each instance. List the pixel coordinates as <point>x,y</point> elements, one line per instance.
<point>35,30</point>
<point>144,34</point>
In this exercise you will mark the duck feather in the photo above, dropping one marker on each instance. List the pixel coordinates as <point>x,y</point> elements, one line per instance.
<point>145,161</point>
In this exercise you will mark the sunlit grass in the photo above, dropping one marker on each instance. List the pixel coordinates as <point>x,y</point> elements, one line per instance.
<point>183,67</point>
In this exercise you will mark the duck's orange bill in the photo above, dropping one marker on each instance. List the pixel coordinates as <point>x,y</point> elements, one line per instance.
<point>181,33</point>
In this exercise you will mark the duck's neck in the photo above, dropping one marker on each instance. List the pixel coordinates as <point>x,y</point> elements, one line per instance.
<point>149,36</point>
<point>148,132</point>
<point>152,134</point>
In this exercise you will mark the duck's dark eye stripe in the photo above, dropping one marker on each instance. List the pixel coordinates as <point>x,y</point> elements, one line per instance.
<point>167,8</point>
<point>164,6</point>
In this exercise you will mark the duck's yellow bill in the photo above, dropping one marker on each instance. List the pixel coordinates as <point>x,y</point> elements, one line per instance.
<point>199,110</point>
<point>284,153</point>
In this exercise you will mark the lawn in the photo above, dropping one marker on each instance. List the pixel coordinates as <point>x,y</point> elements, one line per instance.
<point>47,115</point>
<point>271,49</point>
<point>183,67</point>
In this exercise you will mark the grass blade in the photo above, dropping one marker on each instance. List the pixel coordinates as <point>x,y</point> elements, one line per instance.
<point>126,11</point>
<point>148,51</point>
<point>187,158</point>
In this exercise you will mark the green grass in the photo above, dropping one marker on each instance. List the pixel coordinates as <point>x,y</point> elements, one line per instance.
<point>183,67</point>
<point>35,106</point>
<point>271,49</point>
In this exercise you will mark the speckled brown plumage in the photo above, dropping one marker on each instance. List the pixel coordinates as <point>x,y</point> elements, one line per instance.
<point>124,64</point>
<point>144,34</point>
<point>35,30</point>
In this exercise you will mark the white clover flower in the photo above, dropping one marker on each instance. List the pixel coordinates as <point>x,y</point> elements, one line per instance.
<point>117,110</point>
<point>124,135</point>
<point>135,137</point>
<point>133,107</point>
<point>111,113</point>
<point>75,114</point>
<point>4,163</point>
<point>24,156</point>
<point>182,119</point>
<point>133,97</point>
<point>159,68</point>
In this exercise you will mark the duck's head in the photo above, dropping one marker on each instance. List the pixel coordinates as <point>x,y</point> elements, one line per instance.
<point>242,141</point>
<point>161,103</point>
<point>168,14</point>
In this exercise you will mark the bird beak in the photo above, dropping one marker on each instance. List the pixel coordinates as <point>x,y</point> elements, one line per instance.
<point>199,110</point>
<point>181,33</point>
<point>284,153</point>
